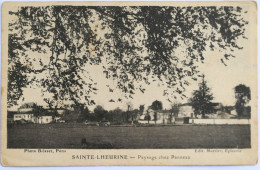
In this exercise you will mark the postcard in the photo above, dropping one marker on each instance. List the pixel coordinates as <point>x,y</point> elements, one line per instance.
<point>129,83</point>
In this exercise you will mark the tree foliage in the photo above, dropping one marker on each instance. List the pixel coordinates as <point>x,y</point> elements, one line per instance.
<point>243,96</point>
<point>141,108</point>
<point>175,108</point>
<point>116,116</point>
<point>201,99</point>
<point>99,113</point>
<point>16,71</point>
<point>157,105</point>
<point>84,114</point>
<point>155,117</point>
<point>243,93</point>
<point>135,45</point>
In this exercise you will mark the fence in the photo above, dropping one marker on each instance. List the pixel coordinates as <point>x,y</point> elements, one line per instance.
<point>219,121</point>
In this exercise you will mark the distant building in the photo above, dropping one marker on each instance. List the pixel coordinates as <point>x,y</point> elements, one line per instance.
<point>29,117</point>
<point>161,117</point>
<point>25,116</point>
<point>185,110</point>
<point>43,119</point>
<point>217,107</point>
<point>29,113</point>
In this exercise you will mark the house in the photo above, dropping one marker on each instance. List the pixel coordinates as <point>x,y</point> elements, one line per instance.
<point>56,113</point>
<point>216,107</point>
<point>185,110</point>
<point>30,117</point>
<point>25,112</point>
<point>161,117</point>
<point>30,112</point>
<point>43,119</point>
<point>23,115</point>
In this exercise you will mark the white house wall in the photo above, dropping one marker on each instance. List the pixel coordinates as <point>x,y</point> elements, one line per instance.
<point>44,119</point>
<point>219,121</point>
<point>162,118</point>
<point>32,118</point>
<point>27,117</point>
<point>185,111</point>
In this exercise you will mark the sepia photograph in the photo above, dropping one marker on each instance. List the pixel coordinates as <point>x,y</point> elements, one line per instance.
<point>127,77</point>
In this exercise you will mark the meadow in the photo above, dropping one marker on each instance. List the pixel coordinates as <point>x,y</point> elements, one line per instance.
<point>123,137</point>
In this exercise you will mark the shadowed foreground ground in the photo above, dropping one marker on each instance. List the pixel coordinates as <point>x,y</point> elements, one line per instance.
<point>182,136</point>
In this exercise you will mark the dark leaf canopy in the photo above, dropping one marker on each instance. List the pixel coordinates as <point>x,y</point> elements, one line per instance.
<point>242,91</point>
<point>157,105</point>
<point>135,45</point>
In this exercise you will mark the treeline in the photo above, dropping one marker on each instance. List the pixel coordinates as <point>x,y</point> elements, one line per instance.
<point>116,116</point>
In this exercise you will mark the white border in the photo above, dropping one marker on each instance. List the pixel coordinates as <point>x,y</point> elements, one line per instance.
<point>151,167</point>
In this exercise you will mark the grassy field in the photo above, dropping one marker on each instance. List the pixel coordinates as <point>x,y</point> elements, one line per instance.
<point>182,136</point>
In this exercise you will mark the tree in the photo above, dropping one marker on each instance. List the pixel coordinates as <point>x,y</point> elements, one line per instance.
<point>201,99</point>
<point>147,117</point>
<point>155,117</point>
<point>115,116</point>
<point>99,112</point>
<point>175,109</point>
<point>136,43</point>
<point>84,114</point>
<point>157,105</point>
<point>70,116</point>
<point>134,114</point>
<point>141,108</point>
<point>39,111</point>
<point>243,96</point>
<point>129,109</point>
<point>16,71</point>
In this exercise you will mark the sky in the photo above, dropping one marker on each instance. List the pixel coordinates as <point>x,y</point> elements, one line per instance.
<point>221,79</point>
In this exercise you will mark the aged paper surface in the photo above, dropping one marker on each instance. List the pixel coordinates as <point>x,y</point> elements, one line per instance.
<point>129,83</point>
